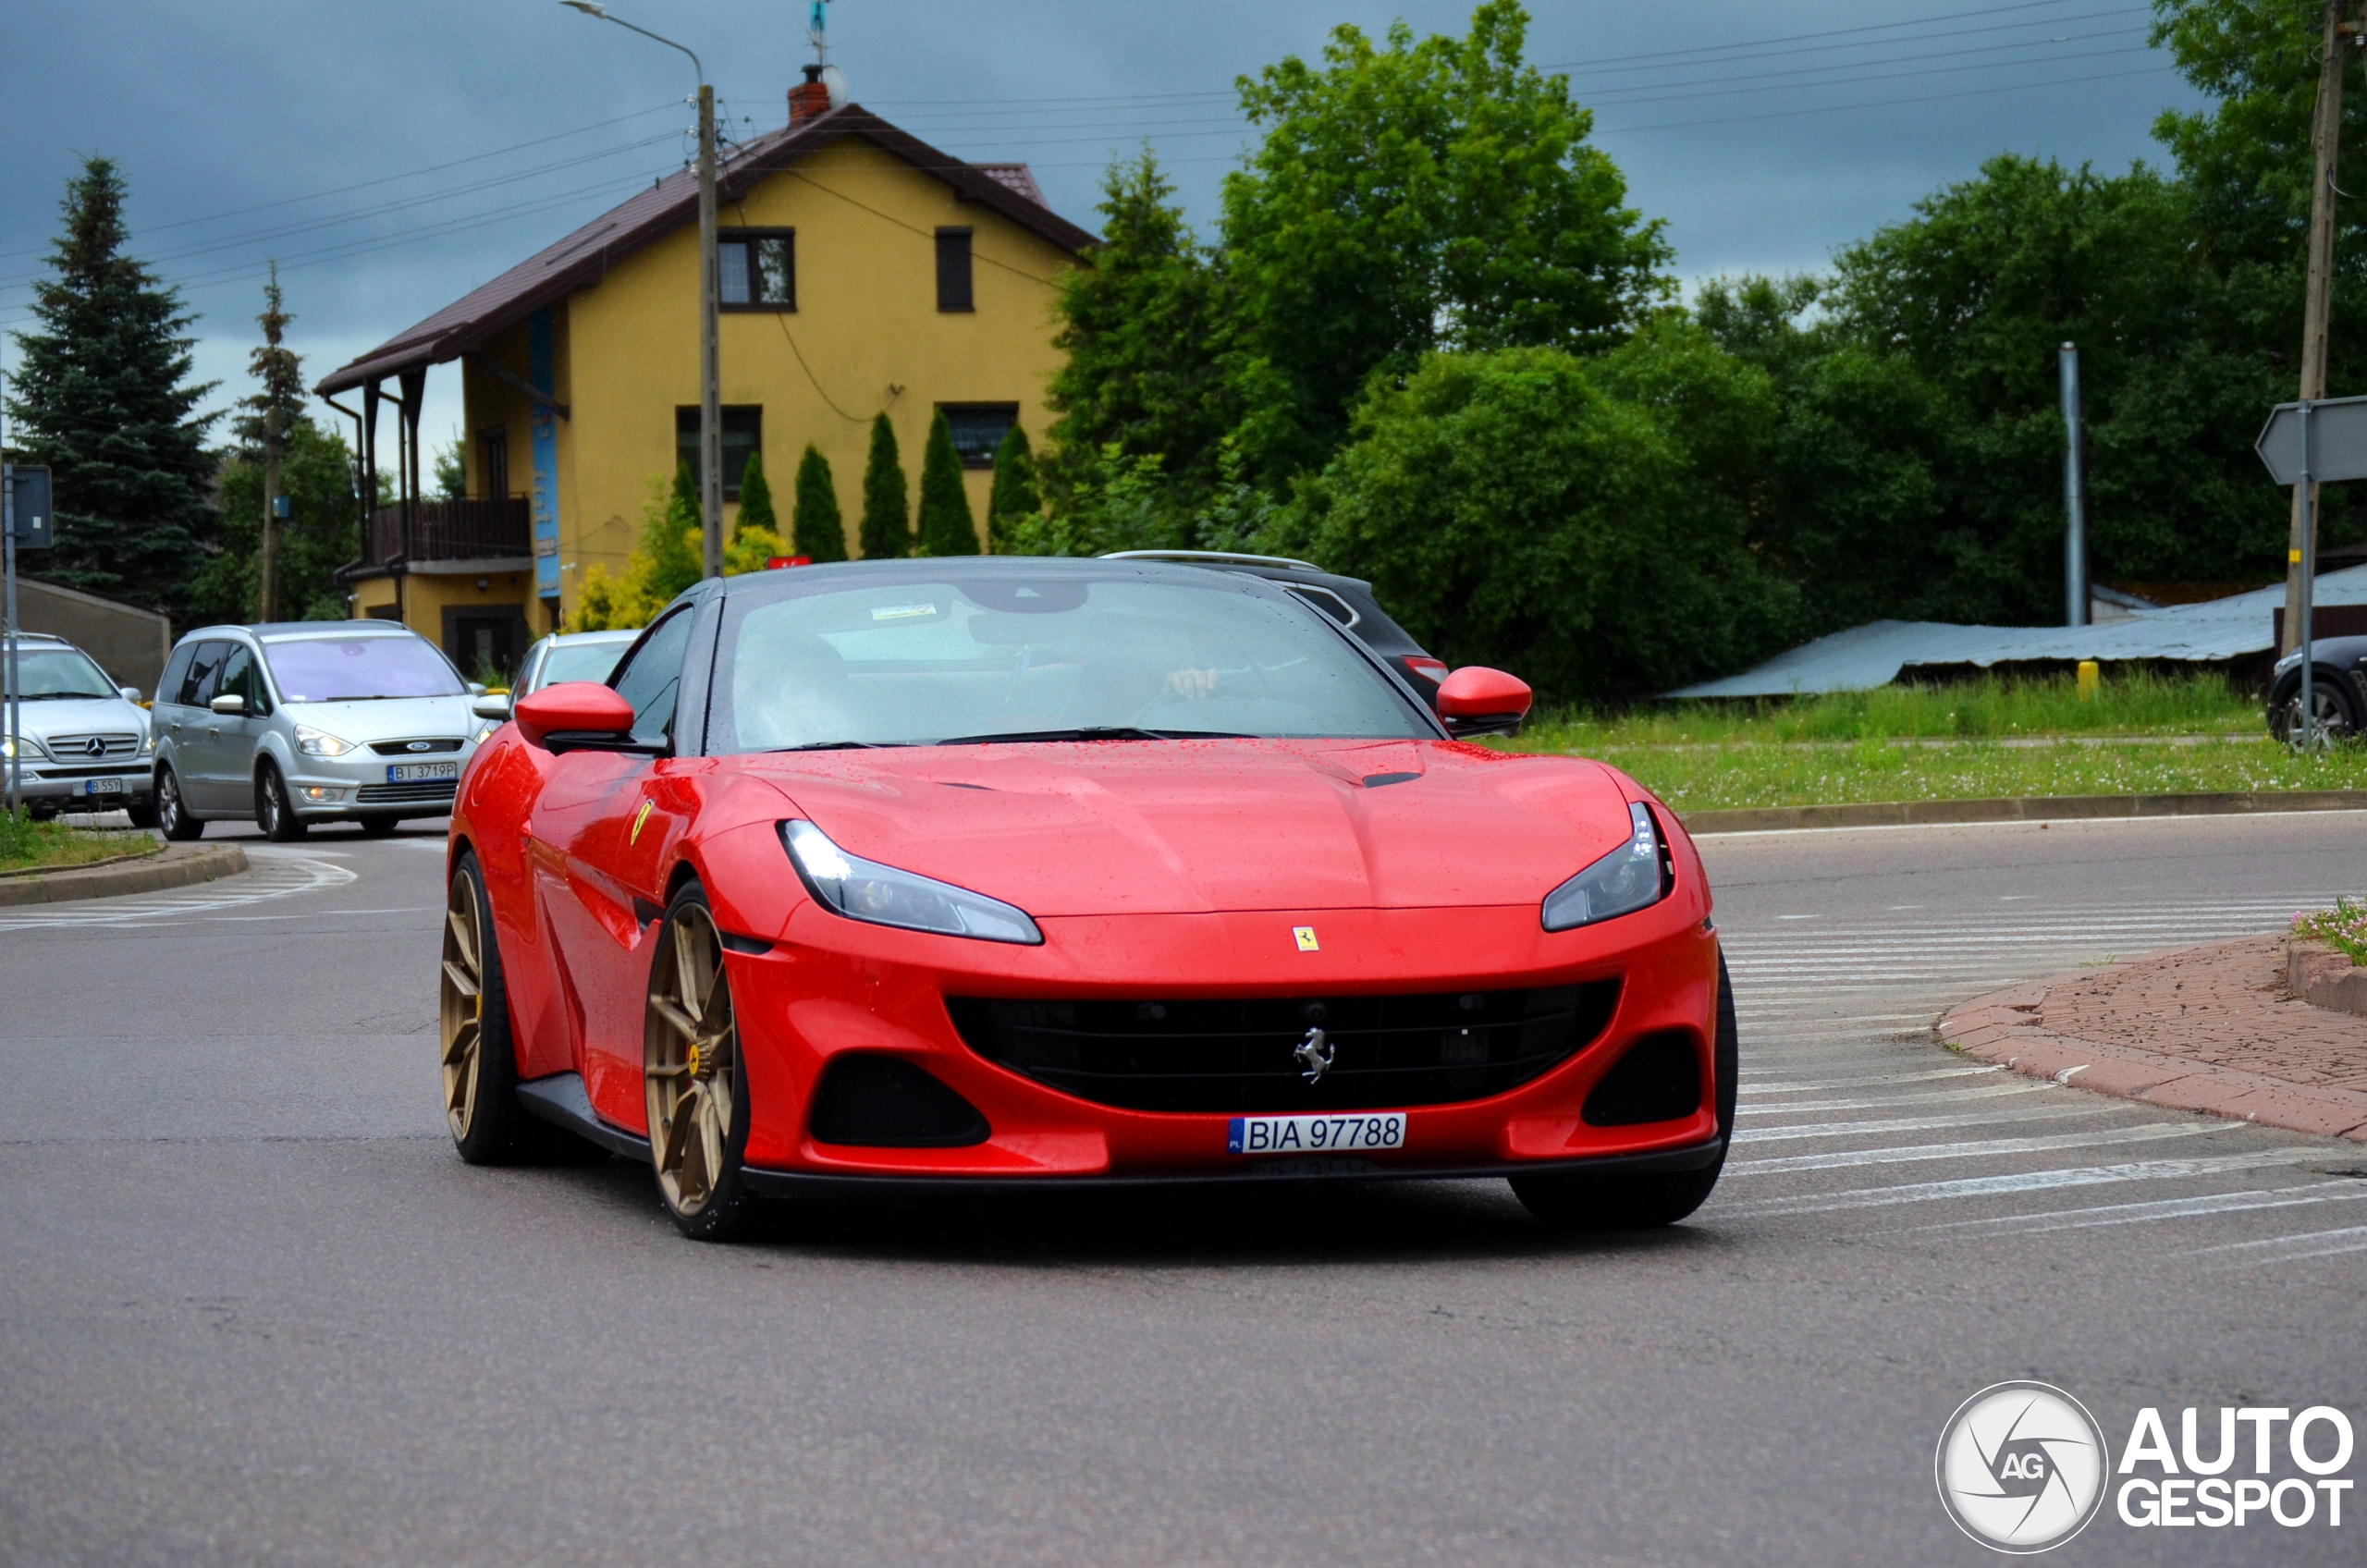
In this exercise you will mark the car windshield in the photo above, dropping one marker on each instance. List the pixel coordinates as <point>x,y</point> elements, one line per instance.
<point>61,673</point>
<point>337,669</point>
<point>993,655</point>
<point>580,661</point>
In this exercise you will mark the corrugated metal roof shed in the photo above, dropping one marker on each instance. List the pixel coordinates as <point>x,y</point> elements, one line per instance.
<point>1874,655</point>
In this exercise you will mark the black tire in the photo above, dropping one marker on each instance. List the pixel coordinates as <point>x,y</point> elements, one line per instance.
<point>142,813</point>
<point>2335,699</point>
<point>1566,1202</point>
<point>481,1106</point>
<point>379,826</point>
<point>717,1205</point>
<point>172,812</point>
<point>274,814</point>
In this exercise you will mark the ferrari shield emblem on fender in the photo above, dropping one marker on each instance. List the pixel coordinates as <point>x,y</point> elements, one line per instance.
<point>1305,935</point>
<point>637,818</point>
<point>1314,1054</point>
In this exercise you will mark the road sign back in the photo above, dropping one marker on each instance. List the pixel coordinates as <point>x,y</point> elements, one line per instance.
<point>2338,441</point>
<point>26,504</point>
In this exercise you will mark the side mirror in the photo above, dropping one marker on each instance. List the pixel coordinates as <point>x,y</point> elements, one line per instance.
<point>573,711</point>
<point>231,703</point>
<point>1476,700</point>
<point>496,708</point>
<point>129,693</point>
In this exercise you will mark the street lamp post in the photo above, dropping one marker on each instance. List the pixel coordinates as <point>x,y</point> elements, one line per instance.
<point>710,280</point>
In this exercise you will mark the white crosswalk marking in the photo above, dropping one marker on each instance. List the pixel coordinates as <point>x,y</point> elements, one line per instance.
<point>270,875</point>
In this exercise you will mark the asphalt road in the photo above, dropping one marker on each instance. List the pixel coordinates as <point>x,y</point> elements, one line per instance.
<point>252,1310</point>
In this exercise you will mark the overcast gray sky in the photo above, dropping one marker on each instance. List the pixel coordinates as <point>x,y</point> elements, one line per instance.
<point>1767,134</point>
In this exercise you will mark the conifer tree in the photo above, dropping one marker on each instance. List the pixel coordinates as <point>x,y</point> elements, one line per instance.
<point>821,534</point>
<point>670,540</point>
<point>1015,496</point>
<point>756,498</point>
<point>887,530</point>
<point>102,396</point>
<point>265,428</point>
<point>946,528</point>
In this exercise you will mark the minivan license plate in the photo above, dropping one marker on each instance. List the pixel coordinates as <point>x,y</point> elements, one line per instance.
<point>420,772</point>
<point>1316,1134</point>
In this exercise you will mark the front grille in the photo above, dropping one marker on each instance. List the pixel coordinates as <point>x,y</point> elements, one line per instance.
<point>1236,1055</point>
<point>413,748</point>
<point>434,790</point>
<point>73,748</point>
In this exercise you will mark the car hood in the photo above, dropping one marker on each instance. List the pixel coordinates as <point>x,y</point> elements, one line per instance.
<point>1134,827</point>
<point>389,718</point>
<point>80,715</point>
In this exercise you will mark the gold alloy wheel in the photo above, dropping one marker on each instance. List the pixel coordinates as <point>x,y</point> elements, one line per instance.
<point>463,1004</point>
<point>689,1057</point>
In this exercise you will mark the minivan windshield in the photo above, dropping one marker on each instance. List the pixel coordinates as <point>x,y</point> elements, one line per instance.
<point>581,661</point>
<point>339,670</point>
<point>60,672</point>
<point>986,654</point>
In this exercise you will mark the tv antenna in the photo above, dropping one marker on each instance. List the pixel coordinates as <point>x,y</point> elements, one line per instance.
<point>817,31</point>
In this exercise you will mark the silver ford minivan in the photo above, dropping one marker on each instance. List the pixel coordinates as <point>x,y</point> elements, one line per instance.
<point>299,722</point>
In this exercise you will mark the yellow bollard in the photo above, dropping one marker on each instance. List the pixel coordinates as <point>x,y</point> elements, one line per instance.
<point>2090,677</point>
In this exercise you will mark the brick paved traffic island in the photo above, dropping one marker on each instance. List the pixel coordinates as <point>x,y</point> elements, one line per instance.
<point>2215,1029</point>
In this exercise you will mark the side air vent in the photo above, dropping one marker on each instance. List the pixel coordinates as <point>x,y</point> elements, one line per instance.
<point>883,1102</point>
<point>1658,1080</point>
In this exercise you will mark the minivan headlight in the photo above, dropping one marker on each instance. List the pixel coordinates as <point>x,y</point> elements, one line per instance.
<point>1622,882</point>
<point>320,742</point>
<point>863,890</point>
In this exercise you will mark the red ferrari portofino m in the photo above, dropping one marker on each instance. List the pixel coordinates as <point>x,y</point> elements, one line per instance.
<point>1049,872</point>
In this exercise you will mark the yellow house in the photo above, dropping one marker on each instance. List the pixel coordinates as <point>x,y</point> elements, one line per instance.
<point>862,272</point>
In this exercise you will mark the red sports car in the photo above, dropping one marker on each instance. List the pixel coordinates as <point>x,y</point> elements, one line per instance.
<point>1059,873</point>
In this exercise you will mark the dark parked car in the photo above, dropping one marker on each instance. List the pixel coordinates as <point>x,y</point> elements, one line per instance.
<point>1347,600</point>
<point>2339,693</point>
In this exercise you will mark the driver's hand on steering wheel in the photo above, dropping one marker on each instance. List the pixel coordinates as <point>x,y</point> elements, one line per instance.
<point>1192,684</point>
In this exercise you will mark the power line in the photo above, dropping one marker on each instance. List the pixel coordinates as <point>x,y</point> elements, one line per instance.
<point>1869,44</point>
<point>1884,102</point>
<point>1807,37</point>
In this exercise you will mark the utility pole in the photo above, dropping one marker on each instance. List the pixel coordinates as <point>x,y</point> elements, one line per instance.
<point>710,373</point>
<point>268,609</point>
<point>9,674</point>
<point>2325,134</point>
<point>2075,493</point>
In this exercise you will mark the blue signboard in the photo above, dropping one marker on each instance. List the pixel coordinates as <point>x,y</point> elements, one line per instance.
<point>546,450</point>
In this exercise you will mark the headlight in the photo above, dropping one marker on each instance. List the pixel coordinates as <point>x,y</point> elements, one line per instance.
<point>1622,882</point>
<point>863,890</point>
<point>486,734</point>
<point>320,742</point>
<point>148,744</point>
<point>34,751</point>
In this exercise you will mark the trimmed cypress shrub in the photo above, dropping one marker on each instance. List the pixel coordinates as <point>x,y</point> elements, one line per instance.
<point>946,528</point>
<point>887,530</point>
<point>1015,496</point>
<point>756,498</point>
<point>821,535</point>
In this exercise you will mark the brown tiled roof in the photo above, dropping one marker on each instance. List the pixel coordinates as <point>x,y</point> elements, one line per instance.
<point>584,257</point>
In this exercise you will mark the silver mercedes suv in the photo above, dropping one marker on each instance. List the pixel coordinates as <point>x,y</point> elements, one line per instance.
<point>86,742</point>
<point>293,723</point>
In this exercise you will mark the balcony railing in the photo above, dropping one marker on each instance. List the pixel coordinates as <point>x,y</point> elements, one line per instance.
<point>453,531</point>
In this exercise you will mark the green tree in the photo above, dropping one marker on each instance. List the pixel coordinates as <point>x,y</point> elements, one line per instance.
<point>886,528</point>
<point>756,498</point>
<point>316,475</point>
<point>821,535</point>
<point>1412,197</point>
<point>452,469</point>
<point>945,527</point>
<point>1141,330</point>
<point>1117,502</point>
<point>264,432</point>
<point>671,540</point>
<point>1014,495</point>
<point>102,396</point>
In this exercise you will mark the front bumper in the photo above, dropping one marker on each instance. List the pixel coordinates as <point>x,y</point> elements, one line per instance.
<point>355,785</point>
<point>69,784</point>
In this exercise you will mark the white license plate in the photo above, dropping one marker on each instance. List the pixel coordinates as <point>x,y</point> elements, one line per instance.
<point>102,786</point>
<point>1316,1134</point>
<point>420,772</point>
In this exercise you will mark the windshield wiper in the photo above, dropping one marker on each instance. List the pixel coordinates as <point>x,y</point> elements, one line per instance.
<point>65,696</point>
<point>1095,732</point>
<point>841,745</point>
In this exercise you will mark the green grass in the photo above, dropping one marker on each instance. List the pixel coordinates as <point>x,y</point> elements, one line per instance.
<point>26,844</point>
<point>2343,928</point>
<point>2002,738</point>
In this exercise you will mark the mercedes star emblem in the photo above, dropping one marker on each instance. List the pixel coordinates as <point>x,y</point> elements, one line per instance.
<point>96,745</point>
<point>1314,1054</point>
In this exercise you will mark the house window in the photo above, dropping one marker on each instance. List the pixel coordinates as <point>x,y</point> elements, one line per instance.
<point>742,434</point>
<point>759,268</point>
<point>978,429</point>
<point>953,270</point>
<point>495,447</point>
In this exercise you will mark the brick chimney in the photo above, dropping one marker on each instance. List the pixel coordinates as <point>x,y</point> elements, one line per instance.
<point>809,98</point>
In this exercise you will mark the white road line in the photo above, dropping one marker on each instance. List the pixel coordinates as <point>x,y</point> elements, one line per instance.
<point>1751,1089</point>
<point>1878,1102</point>
<point>270,879</point>
<point>2024,1182</point>
<point>2161,1208</point>
<point>1979,1148</point>
<point>2284,1249</point>
<point>1925,1123</point>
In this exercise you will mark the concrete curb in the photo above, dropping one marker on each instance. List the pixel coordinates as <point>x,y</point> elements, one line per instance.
<point>2017,808</point>
<point>155,846</point>
<point>2323,978</point>
<point>2004,1027</point>
<point>178,865</point>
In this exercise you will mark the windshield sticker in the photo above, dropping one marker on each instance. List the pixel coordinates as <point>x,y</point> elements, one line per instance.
<point>902,612</point>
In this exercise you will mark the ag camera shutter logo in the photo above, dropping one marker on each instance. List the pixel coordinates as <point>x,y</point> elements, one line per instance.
<point>2021,1467</point>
